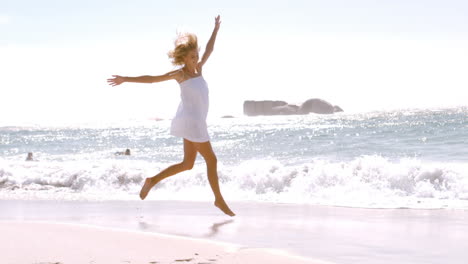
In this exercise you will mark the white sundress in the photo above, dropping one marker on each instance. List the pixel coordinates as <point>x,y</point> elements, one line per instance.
<point>190,119</point>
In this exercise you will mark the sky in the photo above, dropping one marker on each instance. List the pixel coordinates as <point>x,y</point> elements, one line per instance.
<point>363,55</point>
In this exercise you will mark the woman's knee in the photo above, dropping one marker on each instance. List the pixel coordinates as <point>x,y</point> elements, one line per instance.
<point>211,159</point>
<point>187,165</point>
<point>207,152</point>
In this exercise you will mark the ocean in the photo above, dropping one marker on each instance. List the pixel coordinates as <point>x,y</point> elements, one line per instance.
<point>393,159</point>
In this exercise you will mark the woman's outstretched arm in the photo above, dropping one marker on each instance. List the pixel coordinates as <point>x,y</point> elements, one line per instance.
<point>211,42</point>
<point>117,79</point>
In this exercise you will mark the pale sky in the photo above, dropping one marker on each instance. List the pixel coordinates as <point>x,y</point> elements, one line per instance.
<point>363,55</point>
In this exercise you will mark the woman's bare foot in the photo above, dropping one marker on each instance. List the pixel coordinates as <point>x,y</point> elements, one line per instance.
<point>146,188</point>
<point>221,204</point>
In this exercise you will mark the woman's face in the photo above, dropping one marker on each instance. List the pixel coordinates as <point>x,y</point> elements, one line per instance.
<point>191,60</point>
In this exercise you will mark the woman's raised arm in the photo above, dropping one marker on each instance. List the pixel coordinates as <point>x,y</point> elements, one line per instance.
<point>211,42</point>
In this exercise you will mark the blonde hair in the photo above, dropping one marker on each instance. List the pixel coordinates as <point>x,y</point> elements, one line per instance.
<point>183,45</point>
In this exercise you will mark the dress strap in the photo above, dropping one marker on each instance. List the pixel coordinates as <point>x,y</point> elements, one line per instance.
<point>183,73</point>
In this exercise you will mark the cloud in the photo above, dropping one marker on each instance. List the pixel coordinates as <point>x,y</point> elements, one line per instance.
<point>4,19</point>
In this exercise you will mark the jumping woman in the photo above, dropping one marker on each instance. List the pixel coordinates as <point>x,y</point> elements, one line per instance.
<point>190,120</point>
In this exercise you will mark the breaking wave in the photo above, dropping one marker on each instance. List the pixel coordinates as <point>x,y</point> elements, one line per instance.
<point>366,181</point>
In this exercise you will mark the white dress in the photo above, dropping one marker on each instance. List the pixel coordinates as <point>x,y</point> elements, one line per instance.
<point>190,119</point>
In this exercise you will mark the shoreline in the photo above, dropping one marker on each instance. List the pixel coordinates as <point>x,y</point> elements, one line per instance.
<point>48,242</point>
<point>316,233</point>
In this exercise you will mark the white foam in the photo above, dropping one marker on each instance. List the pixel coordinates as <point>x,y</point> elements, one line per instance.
<point>367,181</point>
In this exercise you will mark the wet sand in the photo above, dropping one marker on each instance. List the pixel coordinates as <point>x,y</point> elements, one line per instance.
<point>319,233</point>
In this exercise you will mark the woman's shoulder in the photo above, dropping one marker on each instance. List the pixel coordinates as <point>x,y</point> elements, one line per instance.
<point>200,67</point>
<point>177,75</point>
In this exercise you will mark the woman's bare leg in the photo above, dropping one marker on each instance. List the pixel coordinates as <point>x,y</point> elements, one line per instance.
<point>190,154</point>
<point>206,151</point>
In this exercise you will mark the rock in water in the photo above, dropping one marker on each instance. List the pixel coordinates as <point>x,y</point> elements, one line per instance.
<point>268,107</point>
<point>317,106</point>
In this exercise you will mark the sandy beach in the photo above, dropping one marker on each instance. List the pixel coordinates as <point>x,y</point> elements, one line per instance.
<point>35,242</point>
<point>195,232</point>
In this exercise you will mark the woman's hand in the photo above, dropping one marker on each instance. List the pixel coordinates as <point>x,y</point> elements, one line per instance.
<point>217,22</point>
<point>117,80</point>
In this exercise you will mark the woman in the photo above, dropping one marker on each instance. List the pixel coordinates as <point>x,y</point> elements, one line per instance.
<point>190,120</point>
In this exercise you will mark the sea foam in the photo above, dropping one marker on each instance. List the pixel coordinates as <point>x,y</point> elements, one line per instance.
<point>366,181</point>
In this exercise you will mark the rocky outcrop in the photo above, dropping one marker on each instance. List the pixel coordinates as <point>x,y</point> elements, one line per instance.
<point>287,109</point>
<point>318,106</point>
<point>253,108</point>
